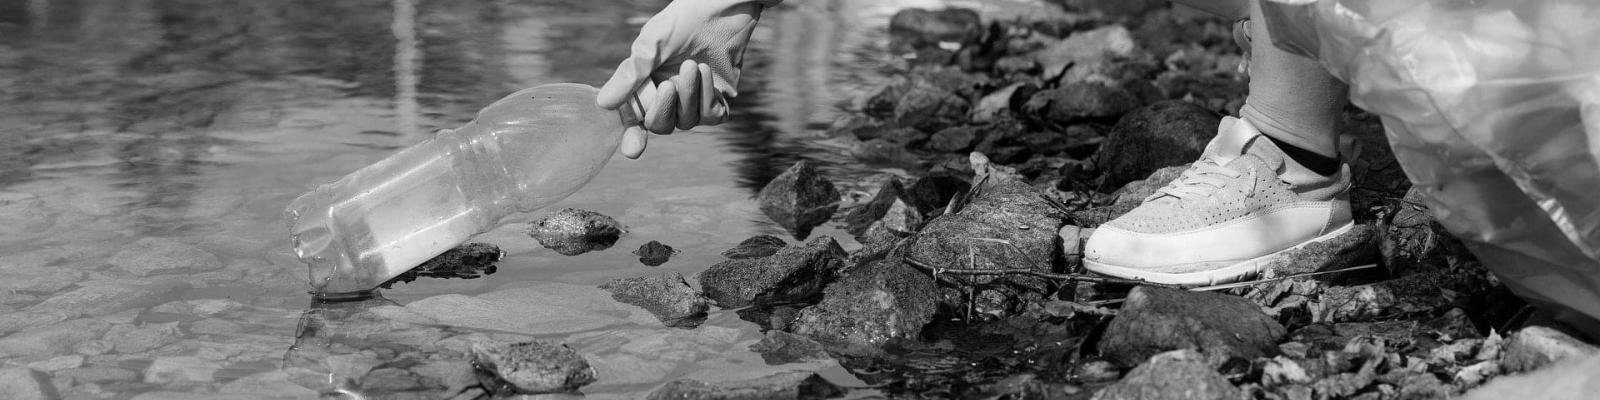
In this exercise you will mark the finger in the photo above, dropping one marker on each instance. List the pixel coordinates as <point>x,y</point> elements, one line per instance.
<point>634,140</point>
<point>718,112</point>
<point>630,75</point>
<point>659,117</point>
<point>688,101</point>
<point>708,93</point>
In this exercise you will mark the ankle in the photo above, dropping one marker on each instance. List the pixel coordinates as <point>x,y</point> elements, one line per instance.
<point>1317,163</point>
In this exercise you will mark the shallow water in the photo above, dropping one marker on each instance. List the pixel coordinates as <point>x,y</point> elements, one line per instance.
<point>152,146</point>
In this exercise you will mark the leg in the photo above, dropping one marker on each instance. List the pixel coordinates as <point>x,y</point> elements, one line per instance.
<point>1292,99</point>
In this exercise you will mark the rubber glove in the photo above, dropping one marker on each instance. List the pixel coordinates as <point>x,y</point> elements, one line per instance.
<point>684,66</point>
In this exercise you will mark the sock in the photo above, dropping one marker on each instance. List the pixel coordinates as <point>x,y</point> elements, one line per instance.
<point>1320,164</point>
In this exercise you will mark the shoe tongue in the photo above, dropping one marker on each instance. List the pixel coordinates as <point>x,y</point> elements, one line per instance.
<point>1233,135</point>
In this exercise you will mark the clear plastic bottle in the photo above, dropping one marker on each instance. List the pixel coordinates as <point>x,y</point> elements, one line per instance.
<point>524,152</point>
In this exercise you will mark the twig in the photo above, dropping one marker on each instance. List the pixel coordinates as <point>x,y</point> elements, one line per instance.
<point>1302,275</point>
<point>1025,271</point>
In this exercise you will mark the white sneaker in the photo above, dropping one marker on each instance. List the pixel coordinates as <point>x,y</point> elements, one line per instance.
<point>1241,203</point>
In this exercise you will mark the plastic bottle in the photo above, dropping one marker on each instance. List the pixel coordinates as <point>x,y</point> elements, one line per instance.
<point>524,152</point>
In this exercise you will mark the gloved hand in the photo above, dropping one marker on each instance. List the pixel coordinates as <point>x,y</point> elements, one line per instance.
<point>684,67</point>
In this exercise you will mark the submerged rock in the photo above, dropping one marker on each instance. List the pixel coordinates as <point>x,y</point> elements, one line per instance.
<point>756,247</point>
<point>793,274</point>
<point>573,231</point>
<point>880,300</point>
<point>530,367</point>
<point>467,261</point>
<point>781,386</point>
<point>159,256</point>
<point>799,199</point>
<point>26,384</point>
<point>654,253</point>
<point>667,296</point>
<point>1155,320</point>
<point>779,347</point>
<point>1175,375</point>
<point>1159,135</point>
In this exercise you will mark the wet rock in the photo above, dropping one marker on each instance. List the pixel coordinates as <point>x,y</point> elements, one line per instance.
<point>667,296</point>
<point>915,28</point>
<point>1086,48</point>
<point>26,384</point>
<point>881,300</point>
<point>171,369</point>
<point>1536,346</point>
<point>573,231</point>
<point>779,347</point>
<point>530,367</point>
<point>127,339</point>
<point>756,247</point>
<point>1569,379</point>
<point>954,139</point>
<point>57,363</point>
<point>781,386</point>
<point>101,298</point>
<point>1095,371</point>
<point>1006,224</point>
<point>654,253</point>
<point>1078,102</point>
<point>930,108</point>
<point>799,199</point>
<point>52,339</point>
<point>160,256</point>
<point>19,320</point>
<point>38,280</point>
<point>392,380</point>
<point>1181,374</point>
<point>1159,135</point>
<point>467,261</point>
<point>793,274</point>
<point>1220,326</point>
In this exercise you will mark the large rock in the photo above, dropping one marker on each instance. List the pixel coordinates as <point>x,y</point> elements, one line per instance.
<point>1410,294</point>
<point>1356,247</point>
<point>1174,375</point>
<point>799,199</point>
<point>1079,102</point>
<point>1000,209</point>
<point>667,296</point>
<point>530,367</point>
<point>653,253</point>
<point>573,231</point>
<point>160,256</point>
<point>888,209</point>
<point>1160,135</point>
<point>879,301</point>
<point>1155,320</point>
<point>26,384</point>
<point>914,27</point>
<point>1536,346</point>
<point>792,274</point>
<point>797,385</point>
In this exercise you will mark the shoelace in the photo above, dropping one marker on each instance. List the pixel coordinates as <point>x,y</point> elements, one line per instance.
<point>1200,180</point>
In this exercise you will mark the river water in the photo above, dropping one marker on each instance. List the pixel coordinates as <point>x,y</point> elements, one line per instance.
<point>151,146</point>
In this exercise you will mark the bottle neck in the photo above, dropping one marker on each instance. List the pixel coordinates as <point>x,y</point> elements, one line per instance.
<point>632,112</point>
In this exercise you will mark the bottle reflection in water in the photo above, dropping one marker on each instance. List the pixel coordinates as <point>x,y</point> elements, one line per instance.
<point>522,153</point>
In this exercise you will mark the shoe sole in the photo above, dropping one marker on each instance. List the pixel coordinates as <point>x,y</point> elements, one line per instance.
<point>1229,274</point>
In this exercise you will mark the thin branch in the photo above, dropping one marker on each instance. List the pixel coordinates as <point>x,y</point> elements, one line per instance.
<point>1029,272</point>
<point>1302,275</point>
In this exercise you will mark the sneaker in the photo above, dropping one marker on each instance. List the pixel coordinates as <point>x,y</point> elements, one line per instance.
<point>1243,202</point>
